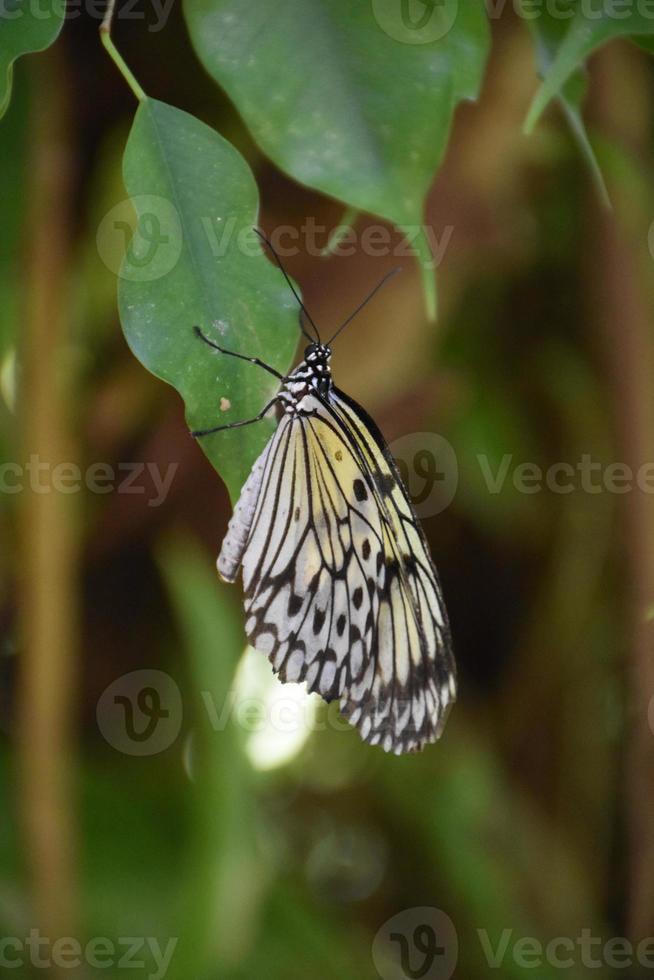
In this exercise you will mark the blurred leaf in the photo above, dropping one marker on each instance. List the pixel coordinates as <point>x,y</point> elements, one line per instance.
<point>645,42</point>
<point>221,889</point>
<point>126,884</point>
<point>363,108</point>
<point>481,845</point>
<point>548,32</point>
<point>194,259</point>
<point>25,27</point>
<point>589,26</point>
<point>298,934</point>
<point>13,143</point>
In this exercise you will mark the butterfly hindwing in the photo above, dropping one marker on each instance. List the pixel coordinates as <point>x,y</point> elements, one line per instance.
<point>412,699</point>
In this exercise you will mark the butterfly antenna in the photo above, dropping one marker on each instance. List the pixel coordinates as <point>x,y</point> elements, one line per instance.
<point>387,277</point>
<point>292,288</point>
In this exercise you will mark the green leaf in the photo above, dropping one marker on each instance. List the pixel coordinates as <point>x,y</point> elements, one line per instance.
<point>25,27</point>
<point>548,32</point>
<point>223,851</point>
<point>194,259</point>
<point>589,26</point>
<point>347,97</point>
<point>13,166</point>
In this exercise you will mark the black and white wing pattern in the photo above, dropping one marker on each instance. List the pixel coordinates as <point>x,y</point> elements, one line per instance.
<point>340,590</point>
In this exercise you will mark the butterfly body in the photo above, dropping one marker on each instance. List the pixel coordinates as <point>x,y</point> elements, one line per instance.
<point>340,590</point>
<point>312,375</point>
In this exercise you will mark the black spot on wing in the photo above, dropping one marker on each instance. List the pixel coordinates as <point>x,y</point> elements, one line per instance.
<point>294,604</point>
<point>318,620</point>
<point>360,491</point>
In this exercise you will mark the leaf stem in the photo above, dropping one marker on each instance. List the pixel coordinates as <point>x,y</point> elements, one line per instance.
<point>348,218</point>
<point>114,54</point>
<point>584,144</point>
<point>426,261</point>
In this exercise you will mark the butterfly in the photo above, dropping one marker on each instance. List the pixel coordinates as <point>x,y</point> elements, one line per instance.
<point>339,587</point>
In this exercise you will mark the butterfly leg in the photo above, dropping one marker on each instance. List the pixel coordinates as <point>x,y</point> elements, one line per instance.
<point>198,433</point>
<point>242,357</point>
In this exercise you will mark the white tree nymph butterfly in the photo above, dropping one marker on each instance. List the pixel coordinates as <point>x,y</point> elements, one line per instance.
<point>340,589</point>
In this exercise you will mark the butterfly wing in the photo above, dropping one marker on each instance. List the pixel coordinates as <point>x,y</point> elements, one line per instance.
<point>413,629</point>
<point>339,587</point>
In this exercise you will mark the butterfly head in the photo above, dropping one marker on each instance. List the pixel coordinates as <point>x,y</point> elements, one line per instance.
<point>317,354</point>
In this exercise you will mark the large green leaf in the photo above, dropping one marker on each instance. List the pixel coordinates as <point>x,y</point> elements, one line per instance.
<point>24,27</point>
<point>194,259</point>
<point>354,99</point>
<point>589,26</point>
<point>548,33</point>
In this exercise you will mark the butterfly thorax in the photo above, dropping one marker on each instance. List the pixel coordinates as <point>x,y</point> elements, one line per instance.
<point>313,375</point>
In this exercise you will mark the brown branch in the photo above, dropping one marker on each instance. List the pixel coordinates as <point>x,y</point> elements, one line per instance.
<point>48,547</point>
<point>619,273</point>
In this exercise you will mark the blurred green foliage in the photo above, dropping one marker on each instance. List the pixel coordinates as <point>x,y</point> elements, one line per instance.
<point>25,28</point>
<point>287,866</point>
